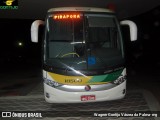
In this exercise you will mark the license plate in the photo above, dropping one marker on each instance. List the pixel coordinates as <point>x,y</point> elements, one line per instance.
<point>88,97</point>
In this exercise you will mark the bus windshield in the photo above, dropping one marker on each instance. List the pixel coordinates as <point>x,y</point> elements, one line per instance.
<point>87,42</point>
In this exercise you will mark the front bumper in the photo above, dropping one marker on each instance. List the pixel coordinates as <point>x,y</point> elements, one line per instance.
<point>58,96</point>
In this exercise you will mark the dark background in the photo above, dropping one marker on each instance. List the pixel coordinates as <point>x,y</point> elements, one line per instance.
<point>20,62</point>
<point>143,52</point>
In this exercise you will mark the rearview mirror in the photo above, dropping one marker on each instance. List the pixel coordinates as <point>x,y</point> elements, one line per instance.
<point>34,30</point>
<point>132,28</point>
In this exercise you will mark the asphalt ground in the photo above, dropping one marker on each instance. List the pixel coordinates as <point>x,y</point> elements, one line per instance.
<point>22,90</point>
<point>138,101</point>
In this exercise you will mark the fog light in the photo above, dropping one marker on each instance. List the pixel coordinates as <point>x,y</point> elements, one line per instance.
<point>47,95</point>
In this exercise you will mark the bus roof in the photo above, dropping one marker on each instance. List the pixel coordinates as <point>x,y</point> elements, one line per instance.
<point>85,9</point>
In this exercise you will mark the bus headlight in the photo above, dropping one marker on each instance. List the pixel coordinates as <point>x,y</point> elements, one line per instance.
<point>52,83</point>
<point>119,80</point>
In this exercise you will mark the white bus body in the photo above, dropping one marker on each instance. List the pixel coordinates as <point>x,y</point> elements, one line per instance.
<point>83,55</point>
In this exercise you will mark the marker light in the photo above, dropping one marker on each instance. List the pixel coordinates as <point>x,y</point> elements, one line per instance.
<point>20,44</point>
<point>67,16</point>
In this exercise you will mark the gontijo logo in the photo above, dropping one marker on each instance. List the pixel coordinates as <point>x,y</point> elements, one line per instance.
<point>9,4</point>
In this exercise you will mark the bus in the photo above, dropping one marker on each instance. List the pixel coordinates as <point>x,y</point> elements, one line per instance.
<point>83,54</point>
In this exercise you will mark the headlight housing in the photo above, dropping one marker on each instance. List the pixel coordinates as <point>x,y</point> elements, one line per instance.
<point>119,80</point>
<point>52,83</point>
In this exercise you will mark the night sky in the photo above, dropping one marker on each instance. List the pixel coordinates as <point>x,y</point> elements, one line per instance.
<point>16,46</point>
<point>145,51</point>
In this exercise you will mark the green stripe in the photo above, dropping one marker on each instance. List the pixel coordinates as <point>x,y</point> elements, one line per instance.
<point>106,78</point>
